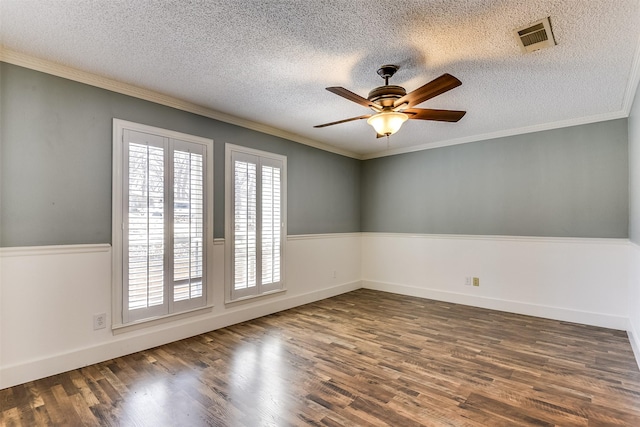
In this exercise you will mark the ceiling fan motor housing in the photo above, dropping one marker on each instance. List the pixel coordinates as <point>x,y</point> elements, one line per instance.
<point>386,95</point>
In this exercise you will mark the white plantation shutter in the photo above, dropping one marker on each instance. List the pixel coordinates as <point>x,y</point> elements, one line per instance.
<point>256,187</point>
<point>188,224</point>
<point>163,225</point>
<point>271,228</point>
<point>245,222</point>
<point>146,230</point>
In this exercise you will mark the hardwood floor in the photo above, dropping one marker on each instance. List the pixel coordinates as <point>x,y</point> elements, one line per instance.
<point>365,358</point>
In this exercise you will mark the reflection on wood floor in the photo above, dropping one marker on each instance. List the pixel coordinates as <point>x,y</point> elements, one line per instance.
<point>365,358</point>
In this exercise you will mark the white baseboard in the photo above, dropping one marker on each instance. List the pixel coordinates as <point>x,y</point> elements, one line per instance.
<point>634,339</point>
<point>555,313</point>
<point>130,343</point>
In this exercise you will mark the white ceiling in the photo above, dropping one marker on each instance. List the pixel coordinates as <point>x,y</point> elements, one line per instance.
<point>268,62</point>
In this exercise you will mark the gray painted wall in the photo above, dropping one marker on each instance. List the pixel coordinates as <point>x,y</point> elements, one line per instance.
<point>55,176</point>
<point>634,170</point>
<point>55,163</point>
<point>570,182</point>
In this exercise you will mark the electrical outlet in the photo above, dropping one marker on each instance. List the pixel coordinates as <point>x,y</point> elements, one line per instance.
<point>467,281</point>
<point>335,274</point>
<point>476,281</point>
<point>99,321</point>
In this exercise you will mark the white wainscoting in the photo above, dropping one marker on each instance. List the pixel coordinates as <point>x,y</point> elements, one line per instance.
<point>48,297</point>
<point>633,328</point>
<point>576,280</point>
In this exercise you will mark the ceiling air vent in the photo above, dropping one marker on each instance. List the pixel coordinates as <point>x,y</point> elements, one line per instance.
<point>535,36</point>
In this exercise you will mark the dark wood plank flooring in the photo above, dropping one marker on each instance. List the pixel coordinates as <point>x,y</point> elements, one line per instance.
<point>365,358</point>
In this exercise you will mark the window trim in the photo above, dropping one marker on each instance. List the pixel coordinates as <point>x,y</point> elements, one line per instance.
<point>228,245</point>
<point>117,224</point>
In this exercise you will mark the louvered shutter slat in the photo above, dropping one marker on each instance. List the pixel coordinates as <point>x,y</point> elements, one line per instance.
<point>188,225</point>
<point>146,233</point>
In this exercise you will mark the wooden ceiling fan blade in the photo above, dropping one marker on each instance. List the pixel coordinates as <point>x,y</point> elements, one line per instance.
<point>437,115</point>
<point>432,89</point>
<point>343,121</point>
<point>347,94</point>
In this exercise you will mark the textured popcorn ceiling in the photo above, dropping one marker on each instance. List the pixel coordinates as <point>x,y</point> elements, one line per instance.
<point>269,61</point>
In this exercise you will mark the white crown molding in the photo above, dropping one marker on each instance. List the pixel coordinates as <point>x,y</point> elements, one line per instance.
<point>503,133</point>
<point>48,67</point>
<point>627,104</point>
<point>634,79</point>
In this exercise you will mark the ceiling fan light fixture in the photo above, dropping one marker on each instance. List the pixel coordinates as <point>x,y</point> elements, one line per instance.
<point>387,122</point>
<point>393,106</point>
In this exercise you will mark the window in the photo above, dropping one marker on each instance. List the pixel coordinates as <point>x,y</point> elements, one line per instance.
<point>255,222</point>
<point>162,219</point>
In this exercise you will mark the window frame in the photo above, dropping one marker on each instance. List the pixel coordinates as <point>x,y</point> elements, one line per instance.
<point>269,159</point>
<point>119,316</point>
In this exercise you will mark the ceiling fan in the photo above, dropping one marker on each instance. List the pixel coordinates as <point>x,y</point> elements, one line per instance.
<point>393,105</point>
